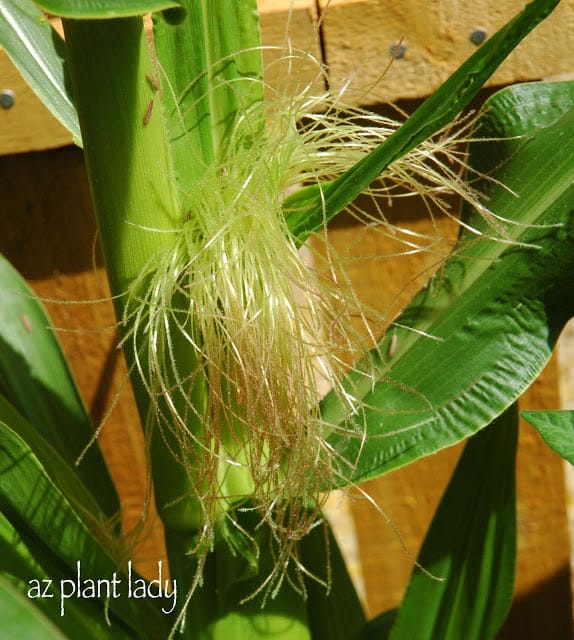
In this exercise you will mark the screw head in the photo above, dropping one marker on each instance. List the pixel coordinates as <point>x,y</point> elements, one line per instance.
<point>398,50</point>
<point>478,36</point>
<point>7,98</point>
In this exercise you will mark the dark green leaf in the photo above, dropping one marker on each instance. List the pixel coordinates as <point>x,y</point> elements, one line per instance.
<point>307,209</point>
<point>21,619</point>
<point>470,547</point>
<point>27,461</point>
<point>243,559</point>
<point>474,339</point>
<point>336,614</point>
<point>556,429</point>
<point>36,380</point>
<point>380,627</point>
<point>38,53</point>
<point>230,602</point>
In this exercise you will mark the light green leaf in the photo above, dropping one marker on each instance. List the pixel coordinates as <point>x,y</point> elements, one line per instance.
<point>470,546</point>
<point>556,429</point>
<point>39,54</point>
<point>36,380</point>
<point>21,619</point>
<point>474,339</point>
<point>127,159</point>
<point>41,495</point>
<point>308,208</point>
<point>102,9</point>
<point>228,605</point>
<point>211,71</point>
<point>38,574</point>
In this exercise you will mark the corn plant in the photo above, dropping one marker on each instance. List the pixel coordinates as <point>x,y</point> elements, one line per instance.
<point>205,189</point>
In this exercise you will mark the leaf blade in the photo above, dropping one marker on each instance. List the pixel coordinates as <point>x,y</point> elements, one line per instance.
<point>336,614</point>
<point>103,9</point>
<point>308,209</point>
<point>40,494</point>
<point>38,53</point>
<point>34,571</point>
<point>556,428</point>
<point>36,380</point>
<point>492,323</point>
<point>471,543</point>
<point>211,68</point>
<point>20,619</point>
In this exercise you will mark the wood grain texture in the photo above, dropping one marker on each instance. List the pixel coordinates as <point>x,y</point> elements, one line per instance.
<point>291,46</point>
<point>353,38</point>
<point>358,36</point>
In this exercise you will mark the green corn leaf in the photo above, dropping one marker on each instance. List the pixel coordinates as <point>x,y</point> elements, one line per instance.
<point>20,436</point>
<point>37,575</point>
<point>229,603</point>
<point>21,619</point>
<point>236,571</point>
<point>556,429</point>
<point>36,380</point>
<point>41,495</point>
<point>470,546</point>
<point>474,339</point>
<point>39,54</point>
<point>211,70</point>
<point>103,9</point>
<point>307,209</point>
<point>338,613</point>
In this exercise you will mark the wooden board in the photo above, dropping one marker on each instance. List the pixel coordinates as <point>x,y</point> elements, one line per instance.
<point>287,32</point>
<point>353,38</point>
<point>28,125</point>
<point>359,35</point>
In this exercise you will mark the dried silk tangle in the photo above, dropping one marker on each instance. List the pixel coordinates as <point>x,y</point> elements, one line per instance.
<point>236,336</point>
